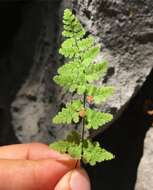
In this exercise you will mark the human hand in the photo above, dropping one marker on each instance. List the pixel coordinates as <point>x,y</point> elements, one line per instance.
<point>36,167</point>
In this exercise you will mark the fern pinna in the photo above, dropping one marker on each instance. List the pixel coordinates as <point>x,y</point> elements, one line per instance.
<point>78,76</point>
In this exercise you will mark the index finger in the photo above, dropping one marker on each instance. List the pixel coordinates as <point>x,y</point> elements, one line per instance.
<point>32,174</point>
<point>30,151</point>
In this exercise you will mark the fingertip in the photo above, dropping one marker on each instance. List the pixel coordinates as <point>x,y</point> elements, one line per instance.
<point>64,183</point>
<point>79,180</point>
<point>74,180</point>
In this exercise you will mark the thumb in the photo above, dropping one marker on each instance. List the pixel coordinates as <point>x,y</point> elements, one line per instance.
<point>74,180</point>
<point>32,175</point>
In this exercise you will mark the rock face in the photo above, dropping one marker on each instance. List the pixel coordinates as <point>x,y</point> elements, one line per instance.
<point>125,31</point>
<point>145,172</point>
<point>37,101</point>
<point>31,108</point>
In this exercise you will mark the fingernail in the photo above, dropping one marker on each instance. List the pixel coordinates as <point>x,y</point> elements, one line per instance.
<point>79,180</point>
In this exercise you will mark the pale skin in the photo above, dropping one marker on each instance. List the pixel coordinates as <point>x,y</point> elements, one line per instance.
<point>36,167</point>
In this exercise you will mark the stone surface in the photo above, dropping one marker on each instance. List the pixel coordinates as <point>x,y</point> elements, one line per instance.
<point>145,172</point>
<point>37,102</point>
<point>125,32</point>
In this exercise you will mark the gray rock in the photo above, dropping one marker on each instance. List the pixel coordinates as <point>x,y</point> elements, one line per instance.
<point>125,34</point>
<point>37,102</point>
<point>145,172</point>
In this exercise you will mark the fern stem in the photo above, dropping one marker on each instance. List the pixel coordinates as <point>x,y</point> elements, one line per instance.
<point>83,125</point>
<point>76,164</point>
<point>84,106</point>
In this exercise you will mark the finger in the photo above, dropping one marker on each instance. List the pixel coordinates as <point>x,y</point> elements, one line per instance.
<point>31,151</point>
<point>74,180</point>
<point>32,175</point>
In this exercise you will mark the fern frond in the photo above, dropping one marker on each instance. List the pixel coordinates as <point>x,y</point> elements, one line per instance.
<point>100,94</point>
<point>96,119</point>
<point>96,71</point>
<point>72,26</point>
<point>73,48</point>
<point>69,113</point>
<point>68,48</point>
<point>71,76</point>
<point>90,55</point>
<point>77,76</point>
<point>60,146</point>
<point>92,152</point>
<point>71,145</point>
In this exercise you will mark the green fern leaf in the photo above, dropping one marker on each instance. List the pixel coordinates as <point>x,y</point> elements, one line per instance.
<point>71,76</point>
<point>85,44</point>
<point>90,55</point>
<point>68,48</point>
<point>96,119</point>
<point>65,146</point>
<point>93,153</point>
<point>60,146</point>
<point>96,71</point>
<point>73,49</point>
<point>72,26</point>
<point>71,145</point>
<point>69,113</point>
<point>81,89</point>
<point>100,94</point>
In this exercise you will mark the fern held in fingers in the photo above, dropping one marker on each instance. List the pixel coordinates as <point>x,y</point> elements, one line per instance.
<point>78,76</point>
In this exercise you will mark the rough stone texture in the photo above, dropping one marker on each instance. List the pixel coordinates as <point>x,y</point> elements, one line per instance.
<point>145,172</point>
<point>31,107</point>
<point>37,101</point>
<point>124,28</point>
